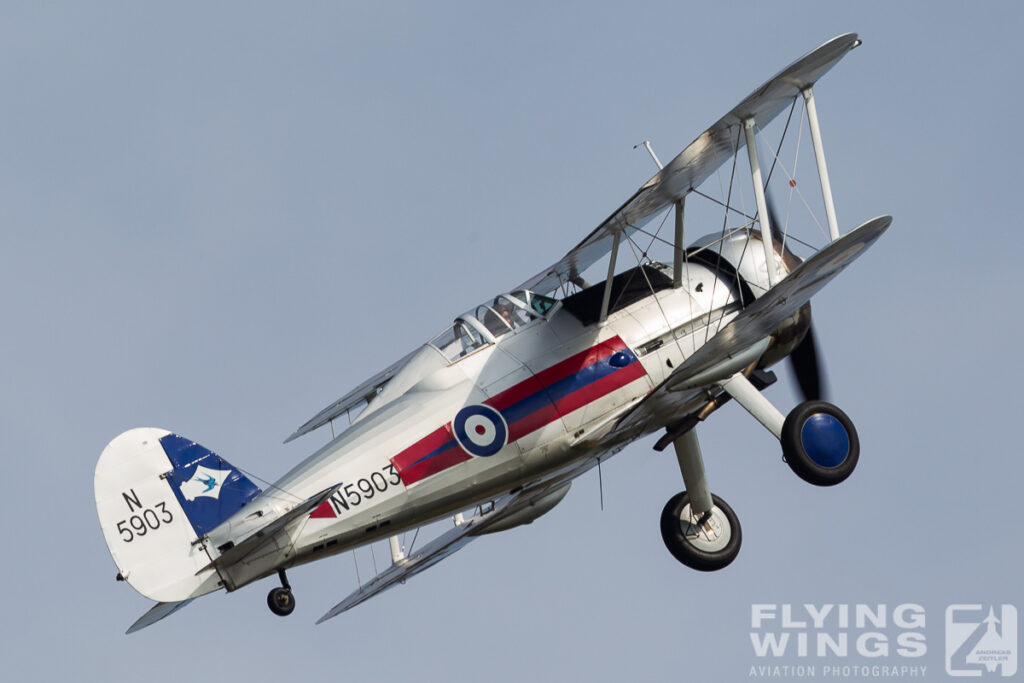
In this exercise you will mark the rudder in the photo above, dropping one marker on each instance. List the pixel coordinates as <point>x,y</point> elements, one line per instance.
<point>157,494</point>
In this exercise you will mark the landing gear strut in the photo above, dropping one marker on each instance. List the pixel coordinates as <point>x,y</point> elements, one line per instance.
<point>698,527</point>
<point>280,599</point>
<point>820,444</point>
<point>818,439</point>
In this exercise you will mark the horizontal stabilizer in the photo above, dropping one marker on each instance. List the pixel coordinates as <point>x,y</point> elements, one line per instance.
<point>158,612</point>
<point>267,533</point>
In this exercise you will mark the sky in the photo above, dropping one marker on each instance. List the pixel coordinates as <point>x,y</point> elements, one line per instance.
<point>217,220</point>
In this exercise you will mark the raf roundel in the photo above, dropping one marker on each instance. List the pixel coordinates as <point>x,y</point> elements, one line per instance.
<point>480,430</point>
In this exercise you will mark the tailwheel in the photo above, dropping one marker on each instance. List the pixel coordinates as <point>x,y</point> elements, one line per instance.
<point>707,541</point>
<point>820,443</point>
<point>280,600</point>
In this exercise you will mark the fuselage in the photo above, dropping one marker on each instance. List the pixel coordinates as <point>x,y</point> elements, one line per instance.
<point>487,408</point>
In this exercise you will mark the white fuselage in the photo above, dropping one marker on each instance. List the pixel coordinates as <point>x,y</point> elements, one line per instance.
<point>559,385</point>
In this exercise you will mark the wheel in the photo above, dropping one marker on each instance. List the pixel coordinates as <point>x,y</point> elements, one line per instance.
<point>708,547</point>
<point>281,601</point>
<point>820,443</point>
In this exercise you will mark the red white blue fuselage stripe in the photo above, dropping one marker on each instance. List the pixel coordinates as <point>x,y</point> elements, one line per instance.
<point>531,404</point>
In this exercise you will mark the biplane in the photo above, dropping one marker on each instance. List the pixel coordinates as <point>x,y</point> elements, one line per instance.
<point>490,421</point>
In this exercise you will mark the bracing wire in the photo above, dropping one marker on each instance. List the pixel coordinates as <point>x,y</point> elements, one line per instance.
<point>270,485</point>
<point>725,219</point>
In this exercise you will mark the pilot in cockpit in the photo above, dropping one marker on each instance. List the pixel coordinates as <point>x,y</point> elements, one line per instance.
<point>505,311</point>
<point>502,315</point>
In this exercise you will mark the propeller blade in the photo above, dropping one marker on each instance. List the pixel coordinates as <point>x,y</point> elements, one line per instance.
<point>790,259</point>
<point>804,359</point>
<point>808,368</point>
<point>773,218</point>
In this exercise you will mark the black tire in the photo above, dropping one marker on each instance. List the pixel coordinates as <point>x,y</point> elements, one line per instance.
<point>820,443</point>
<point>281,601</point>
<point>674,532</point>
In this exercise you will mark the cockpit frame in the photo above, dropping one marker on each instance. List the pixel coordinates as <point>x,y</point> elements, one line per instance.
<point>487,323</point>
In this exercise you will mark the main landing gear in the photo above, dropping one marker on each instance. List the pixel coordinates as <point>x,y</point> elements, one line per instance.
<point>699,529</point>
<point>819,443</point>
<point>280,599</point>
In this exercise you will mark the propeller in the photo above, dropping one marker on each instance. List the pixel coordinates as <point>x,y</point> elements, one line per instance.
<point>804,359</point>
<point>808,368</point>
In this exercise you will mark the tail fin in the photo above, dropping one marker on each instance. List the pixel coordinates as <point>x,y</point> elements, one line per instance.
<point>156,495</point>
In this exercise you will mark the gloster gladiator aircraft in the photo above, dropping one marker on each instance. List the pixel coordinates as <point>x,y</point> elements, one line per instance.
<point>490,420</point>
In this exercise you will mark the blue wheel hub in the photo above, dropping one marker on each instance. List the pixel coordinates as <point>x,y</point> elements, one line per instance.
<point>825,440</point>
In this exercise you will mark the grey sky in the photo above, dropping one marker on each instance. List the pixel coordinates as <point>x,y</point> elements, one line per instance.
<point>219,220</point>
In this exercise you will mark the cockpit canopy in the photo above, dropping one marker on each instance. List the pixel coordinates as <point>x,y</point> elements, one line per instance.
<point>489,321</point>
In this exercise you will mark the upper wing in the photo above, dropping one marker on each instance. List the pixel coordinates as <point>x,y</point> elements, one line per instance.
<point>364,392</point>
<point>697,162</point>
<point>689,169</point>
